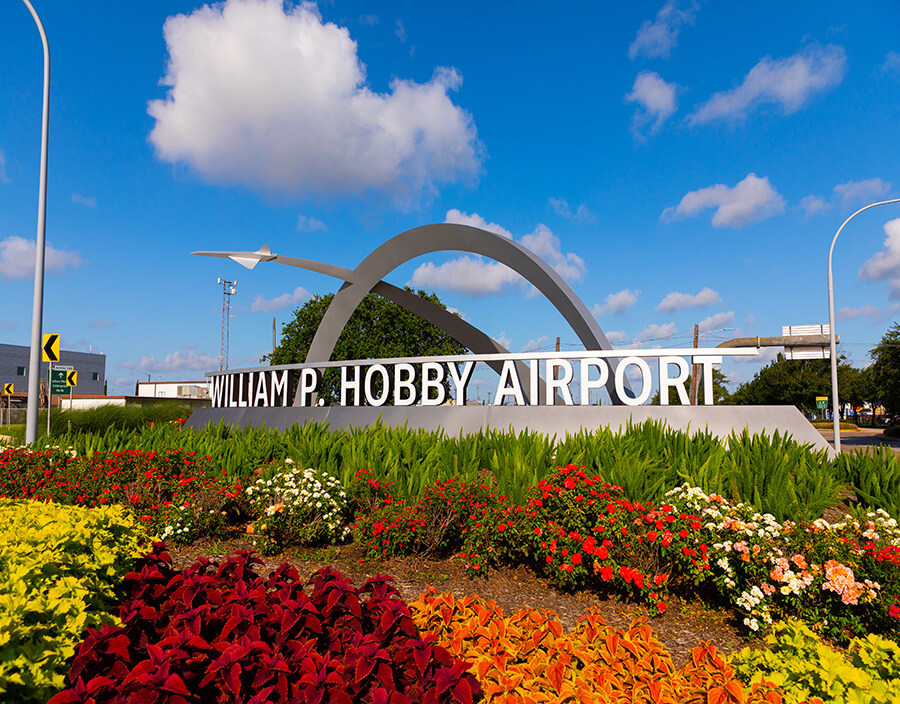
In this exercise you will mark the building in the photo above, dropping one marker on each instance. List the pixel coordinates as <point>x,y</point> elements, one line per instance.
<point>173,389</point>
<point>91,368</point>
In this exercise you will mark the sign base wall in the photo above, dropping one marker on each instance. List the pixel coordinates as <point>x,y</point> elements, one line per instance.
<point>559,420</point>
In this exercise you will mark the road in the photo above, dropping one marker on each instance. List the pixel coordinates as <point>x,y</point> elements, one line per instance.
<point>862,440</point>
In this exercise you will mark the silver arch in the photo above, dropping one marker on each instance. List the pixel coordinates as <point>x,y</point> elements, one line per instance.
<point>428,239</point>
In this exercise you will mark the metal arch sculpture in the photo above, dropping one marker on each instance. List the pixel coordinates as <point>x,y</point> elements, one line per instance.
<point>468,335</point>
<point>428,239</point>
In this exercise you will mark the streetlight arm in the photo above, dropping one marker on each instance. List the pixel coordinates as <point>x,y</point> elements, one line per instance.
<point>833,341</point>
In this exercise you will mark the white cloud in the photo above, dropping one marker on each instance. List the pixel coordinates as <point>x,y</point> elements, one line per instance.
<point>616,335</point>
<point>89,201</point>
<point>751,200</point>
<point>535,345</point>
<point>368,19</point>
<point>458,217</point>
<point>867,311</point>
<point>185,359</point>
<point>477,276</point>
<point>656,101</point>
<point>716,320</point>
<point>617,302</point>
<point>504,340</point>
<point>657,332</point>
<point>17,258</point>
<point>307,223</point>
<point>790,82</point>
<point>270,96</point>
<point>127,365</point>
<point>891,63</point>
<point>656,39</point>
<point>102,323</point>
<point>400,31</point>
<point>561,207</point>
<point>861,191</point>
<point>468,274</point>
<point>750,321</point>
<point>457,311</point>
<point>546,245</point>
<point>885,265</point>
<point>3,177</point>
<point>813,205</point>
<point>300,295</point>
<point>680,301</point>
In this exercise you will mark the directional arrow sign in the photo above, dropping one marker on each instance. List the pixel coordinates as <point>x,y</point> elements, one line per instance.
<point>51,347</point>
<point>8,388</point>
<point>72,378</point>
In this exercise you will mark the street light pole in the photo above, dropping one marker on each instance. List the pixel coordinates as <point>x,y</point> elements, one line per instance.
<point>34,364</point>
<point>834,368</point>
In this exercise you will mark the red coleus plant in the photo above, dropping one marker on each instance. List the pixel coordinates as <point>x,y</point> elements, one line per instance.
<point>223,633</point>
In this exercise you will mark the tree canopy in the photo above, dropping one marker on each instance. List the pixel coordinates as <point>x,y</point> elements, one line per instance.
<point>885,370</point>
<point>378,328</point>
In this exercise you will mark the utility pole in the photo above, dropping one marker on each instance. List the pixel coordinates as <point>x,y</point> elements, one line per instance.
<point>695,368</point>
<point>273,334</point>
<point>228,290</point>
<point>556,369</point>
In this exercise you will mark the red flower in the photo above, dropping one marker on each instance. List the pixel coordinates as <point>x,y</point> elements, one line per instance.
<point>602,553</point>
<point>652,535</point>
<point>569,483</point>
<point>576,558</point>
<point>661,606</point>
<point>501,527</point>
<point>606,573</point>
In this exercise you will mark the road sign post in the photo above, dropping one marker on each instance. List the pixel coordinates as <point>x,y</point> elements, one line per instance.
<point>50,354</point>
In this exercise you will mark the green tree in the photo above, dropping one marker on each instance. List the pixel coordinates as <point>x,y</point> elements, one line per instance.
<point>797,382</point>
<point>885,369</point>
<point>378,328</point>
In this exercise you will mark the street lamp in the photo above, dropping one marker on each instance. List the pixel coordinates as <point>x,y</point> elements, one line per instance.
<point>34,362</point>
<point>834,369</point>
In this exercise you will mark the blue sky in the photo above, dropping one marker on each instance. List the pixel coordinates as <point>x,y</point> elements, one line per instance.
<point>677,162</point>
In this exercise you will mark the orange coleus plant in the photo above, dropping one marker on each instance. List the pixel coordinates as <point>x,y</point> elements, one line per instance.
<point>530,657</point>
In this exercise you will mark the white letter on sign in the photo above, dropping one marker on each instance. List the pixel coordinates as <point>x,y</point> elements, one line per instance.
<point>509,385</point>
<point>309,384</point>
<point>433,378</point>
<point>645,380</point>
<point>561,384</point>
<point>586,383</point>
<point>666,383</point>
<point>706,363</point>
<point>371,399</point>
<point>405,392</point>
<point>461,380</point>
<point>348,384</point>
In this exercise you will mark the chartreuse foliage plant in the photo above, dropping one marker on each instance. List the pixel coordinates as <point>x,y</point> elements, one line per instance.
<point>803,667</point>
<point>223,633</point>
<point>530,657</point>
<point>60,567</point>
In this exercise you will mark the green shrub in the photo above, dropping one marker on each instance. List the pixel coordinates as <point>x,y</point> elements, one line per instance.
<point>798,662</point>
<point>59,570</point>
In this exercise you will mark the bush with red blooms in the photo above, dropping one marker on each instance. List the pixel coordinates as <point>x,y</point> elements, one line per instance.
<point>173,492</point>
<point>436,524</point>
<point>222,633</point>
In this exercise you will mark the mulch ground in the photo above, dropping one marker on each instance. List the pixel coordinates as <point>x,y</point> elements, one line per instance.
<point>682,627</point>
